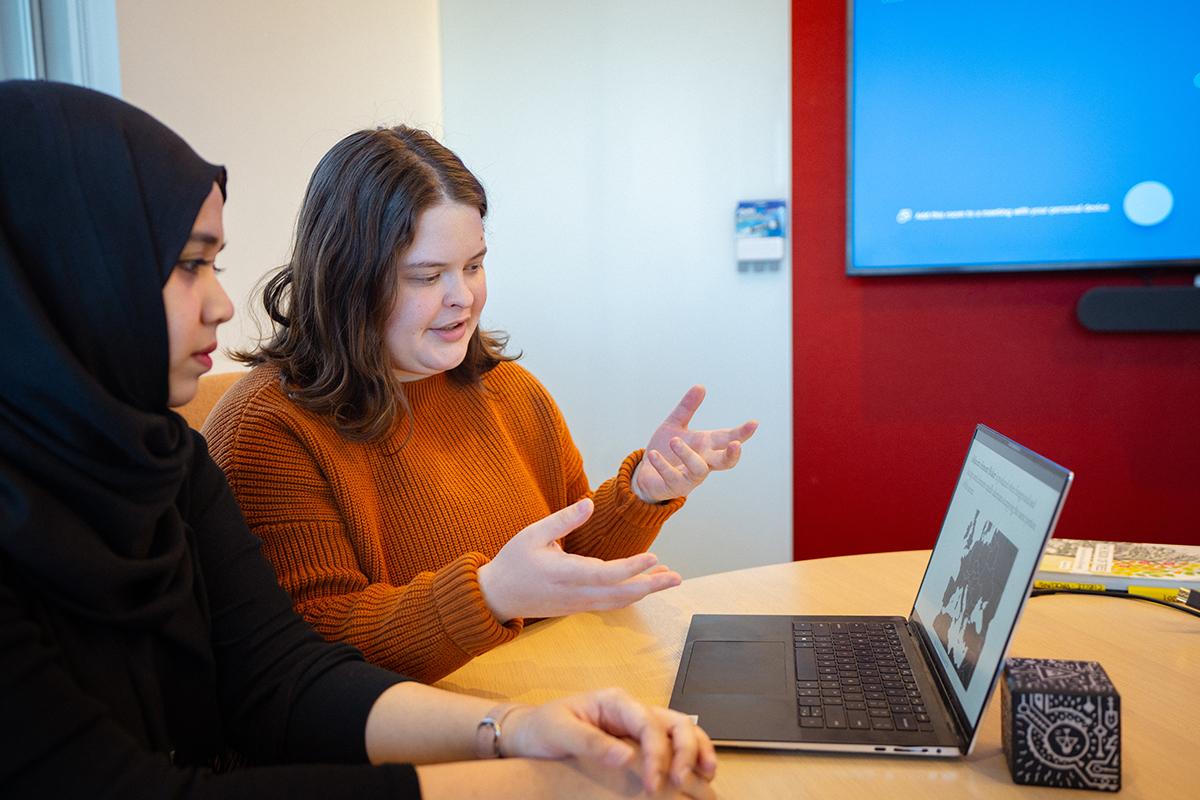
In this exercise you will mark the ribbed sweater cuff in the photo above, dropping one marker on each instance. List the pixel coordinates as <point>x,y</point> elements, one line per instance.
<point>460,606</point>
<point>632,507</point>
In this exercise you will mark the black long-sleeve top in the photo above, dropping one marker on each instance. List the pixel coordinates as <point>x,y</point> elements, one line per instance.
<point>287,699</point>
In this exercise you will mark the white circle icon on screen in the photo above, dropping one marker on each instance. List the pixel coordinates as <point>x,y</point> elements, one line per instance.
<point>1148,203</point>
<point>904,216</point>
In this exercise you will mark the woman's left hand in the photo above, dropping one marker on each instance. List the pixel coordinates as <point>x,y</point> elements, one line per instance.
<point>613,729</point>
<point>678,460</point>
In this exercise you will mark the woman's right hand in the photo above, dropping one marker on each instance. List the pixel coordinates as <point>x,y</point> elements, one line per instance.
<point>532,576</point>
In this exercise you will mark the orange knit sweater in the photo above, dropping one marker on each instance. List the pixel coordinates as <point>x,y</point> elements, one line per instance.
<point>380,543</point>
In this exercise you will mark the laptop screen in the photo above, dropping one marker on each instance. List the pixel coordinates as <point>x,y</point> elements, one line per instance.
<point>1000,517</point>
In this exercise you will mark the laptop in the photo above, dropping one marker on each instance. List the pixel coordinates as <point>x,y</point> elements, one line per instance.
<point>917,685</point>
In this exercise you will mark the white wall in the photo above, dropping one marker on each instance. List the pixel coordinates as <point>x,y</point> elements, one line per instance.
<point>615,139</point>
<point>265,88</point>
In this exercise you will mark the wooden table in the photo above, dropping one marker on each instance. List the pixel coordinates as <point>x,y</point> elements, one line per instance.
<point>1151,653</point>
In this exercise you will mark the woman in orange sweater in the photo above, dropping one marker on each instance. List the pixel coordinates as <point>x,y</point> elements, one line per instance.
<point>400,467</point>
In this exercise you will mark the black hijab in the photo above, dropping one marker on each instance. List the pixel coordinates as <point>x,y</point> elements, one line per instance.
<point>97,200</point>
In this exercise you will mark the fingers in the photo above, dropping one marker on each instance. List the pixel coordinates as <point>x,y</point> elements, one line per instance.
<point>719,440</point>
<point>559,524</point>
<point>673,748</point>
<point>610,727</point>
<point>587,571</point>
<point>682,413</point>
<point>656,754</point>
<point>579,583</point>
<point>694,751</point>
<point>695,464</point>
<point>687,747</point>
<point>675,482</point>
<point>697,454</point>
<point>570,727</point>
<point>722,449</point>
<point>746,430</point>
<point>599,593</point>
<point>630,591</point>
<point>531,576</point>
<point>697,787</point>
<point>585,740</point>
<point>678,480</point>
<point>619,714</point>
<point>728,457</point>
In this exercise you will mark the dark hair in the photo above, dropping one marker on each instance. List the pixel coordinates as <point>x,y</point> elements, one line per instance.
<point>330,302</point>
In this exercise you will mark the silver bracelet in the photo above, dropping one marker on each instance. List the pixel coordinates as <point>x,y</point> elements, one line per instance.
<point>487,732</point>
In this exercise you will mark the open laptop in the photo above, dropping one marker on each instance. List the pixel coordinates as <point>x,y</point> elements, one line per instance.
<point>917,686</point>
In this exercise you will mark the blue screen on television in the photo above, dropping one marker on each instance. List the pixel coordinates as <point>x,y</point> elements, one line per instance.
<point>1023,134</point>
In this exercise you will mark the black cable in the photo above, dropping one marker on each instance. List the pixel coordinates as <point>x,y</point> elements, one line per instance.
<point>1119,593</point>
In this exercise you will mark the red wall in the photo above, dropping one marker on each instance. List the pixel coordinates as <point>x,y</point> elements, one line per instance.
<point>890,375</point>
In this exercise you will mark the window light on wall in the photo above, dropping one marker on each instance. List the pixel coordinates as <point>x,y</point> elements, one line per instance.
<point>73,41</point>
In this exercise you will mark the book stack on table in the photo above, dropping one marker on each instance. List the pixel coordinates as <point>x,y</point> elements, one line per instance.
<point>1151,570</point>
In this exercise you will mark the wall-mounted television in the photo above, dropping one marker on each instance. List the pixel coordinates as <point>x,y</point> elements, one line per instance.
<point>1012,135</point>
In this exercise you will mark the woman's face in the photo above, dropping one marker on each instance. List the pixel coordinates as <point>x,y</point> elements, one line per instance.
<point>195,303</point>
<point>440,292</point>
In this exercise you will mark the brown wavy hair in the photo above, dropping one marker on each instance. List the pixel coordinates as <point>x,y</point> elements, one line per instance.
<point>328,304</point>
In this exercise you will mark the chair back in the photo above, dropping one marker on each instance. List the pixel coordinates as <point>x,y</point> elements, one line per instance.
<point>212,388</point>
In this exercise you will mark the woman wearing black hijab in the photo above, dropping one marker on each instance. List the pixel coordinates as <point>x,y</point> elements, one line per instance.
<point>143,637</point>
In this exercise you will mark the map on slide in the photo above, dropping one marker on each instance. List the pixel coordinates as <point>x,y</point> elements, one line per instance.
<point>972,596</point>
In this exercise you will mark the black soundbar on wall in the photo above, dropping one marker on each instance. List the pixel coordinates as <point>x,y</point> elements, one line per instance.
<point>1161,309</point>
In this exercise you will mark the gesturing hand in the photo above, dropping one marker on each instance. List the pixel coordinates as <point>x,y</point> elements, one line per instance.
<point>588,726</point>
<point>678,460</point>
<point>532,576</point>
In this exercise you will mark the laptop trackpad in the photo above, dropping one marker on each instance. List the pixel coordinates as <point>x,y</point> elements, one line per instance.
<point>737,668</point>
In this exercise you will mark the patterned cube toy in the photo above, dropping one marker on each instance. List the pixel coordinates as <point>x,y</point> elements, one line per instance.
<point>1061,724</point>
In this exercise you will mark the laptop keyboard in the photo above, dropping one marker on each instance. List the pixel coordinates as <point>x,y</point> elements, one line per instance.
<point>854,675</point>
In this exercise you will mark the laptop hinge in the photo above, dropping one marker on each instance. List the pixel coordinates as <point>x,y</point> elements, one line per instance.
<point>917,633</point>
